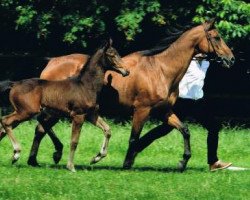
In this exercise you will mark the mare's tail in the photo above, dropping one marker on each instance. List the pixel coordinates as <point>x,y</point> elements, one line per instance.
<point>5,87</point>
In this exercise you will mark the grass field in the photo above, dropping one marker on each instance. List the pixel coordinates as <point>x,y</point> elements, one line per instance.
<point>153,176</point>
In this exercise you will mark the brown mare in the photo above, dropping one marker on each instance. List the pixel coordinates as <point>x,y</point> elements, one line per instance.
<point>153,84</point>
<point>75,98</point>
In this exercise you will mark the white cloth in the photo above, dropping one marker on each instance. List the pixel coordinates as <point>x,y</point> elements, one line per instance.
<point>191,85</point>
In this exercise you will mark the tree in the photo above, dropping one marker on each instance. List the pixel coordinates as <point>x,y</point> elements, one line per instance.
<point>76,23</point>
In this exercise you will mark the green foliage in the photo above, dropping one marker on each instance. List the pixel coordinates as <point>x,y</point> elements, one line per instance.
<point>233,16</point>
<point>26,16</point>
<point>76,22</point>
<point>133,13</point>
<point>153,175</point>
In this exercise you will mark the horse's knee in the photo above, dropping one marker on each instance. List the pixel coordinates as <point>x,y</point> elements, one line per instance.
<point>185,131</point>
<point>215,128</point>
<point>39,129</point>
<point>107,132</point>
<point>73,145</point>
<point>187,155</point>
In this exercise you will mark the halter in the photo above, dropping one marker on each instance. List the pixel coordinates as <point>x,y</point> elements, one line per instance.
<point>209,40</point>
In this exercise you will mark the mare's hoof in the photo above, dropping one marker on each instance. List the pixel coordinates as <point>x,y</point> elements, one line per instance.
<point>57,156</point>
<point>33,162</point>
<point>182,166</point>
<point>127,165</point>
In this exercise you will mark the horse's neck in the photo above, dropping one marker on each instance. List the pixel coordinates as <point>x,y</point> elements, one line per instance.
<point>92,76</point>
<point>178,57</point>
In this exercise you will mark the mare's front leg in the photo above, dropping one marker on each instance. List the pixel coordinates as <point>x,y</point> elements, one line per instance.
<point>139,118</point>
<point>77,122</point>
<point>99,122</point>
<point>174,121</point>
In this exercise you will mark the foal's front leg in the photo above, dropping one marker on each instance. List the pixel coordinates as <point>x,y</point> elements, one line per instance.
<point>107,134</point>
<point>77,122</point>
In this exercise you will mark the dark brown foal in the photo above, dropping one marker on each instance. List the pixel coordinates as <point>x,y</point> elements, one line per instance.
<point>75,98</point>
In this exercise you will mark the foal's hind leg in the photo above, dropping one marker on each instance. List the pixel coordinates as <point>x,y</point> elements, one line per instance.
<point>2,133</point>
<point>107,134</point>
<point>174,121</point>
<point>9,122</point>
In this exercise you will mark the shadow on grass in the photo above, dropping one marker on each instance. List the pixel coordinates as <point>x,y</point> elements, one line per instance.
<point>113,168</point>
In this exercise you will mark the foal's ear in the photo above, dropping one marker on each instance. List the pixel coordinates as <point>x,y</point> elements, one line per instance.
<point>107,44</point>
<point>209,24</point>
<point>110,42</point>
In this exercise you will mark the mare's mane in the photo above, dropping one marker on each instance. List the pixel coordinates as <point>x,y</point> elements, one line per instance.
<point>172,35</point>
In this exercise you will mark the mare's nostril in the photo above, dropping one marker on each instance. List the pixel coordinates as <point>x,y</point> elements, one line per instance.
<point>233,59</point>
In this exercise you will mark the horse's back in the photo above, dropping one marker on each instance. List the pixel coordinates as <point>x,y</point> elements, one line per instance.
<point>62,67</point>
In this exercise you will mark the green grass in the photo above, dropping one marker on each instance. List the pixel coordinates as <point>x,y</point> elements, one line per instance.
<point>153,176</point>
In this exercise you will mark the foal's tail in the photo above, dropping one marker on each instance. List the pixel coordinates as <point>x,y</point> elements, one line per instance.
<point>5,87</point>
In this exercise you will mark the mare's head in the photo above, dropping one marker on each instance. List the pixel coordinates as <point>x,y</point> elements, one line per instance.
<point>111,60</point>
<point>212,43</point>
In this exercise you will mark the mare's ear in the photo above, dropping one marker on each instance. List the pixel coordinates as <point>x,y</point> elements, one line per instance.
<point>209,24</point>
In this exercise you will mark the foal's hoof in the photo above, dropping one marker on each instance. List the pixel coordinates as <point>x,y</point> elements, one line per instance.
<point>71,167</point>
<point>57,156</point>
<point>97,158</point>
<point>182,166</point>
<point>15,158</point>
<point>14,161</point>
<point>94,160</point>
<point>33,162</point>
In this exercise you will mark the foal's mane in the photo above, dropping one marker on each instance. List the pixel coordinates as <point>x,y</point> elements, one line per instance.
<point>92,60</point>
<point>172,35</point>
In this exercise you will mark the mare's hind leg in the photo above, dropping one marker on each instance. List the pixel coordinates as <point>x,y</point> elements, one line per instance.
<point>150,137</point>
<point>46,123</point>
<point>107,134</point>
<point>174,121</point>
<point>139,118</point>
<point>39,134</point>
<point>77,122</point>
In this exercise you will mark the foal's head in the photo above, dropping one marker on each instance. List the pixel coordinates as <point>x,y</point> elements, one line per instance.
<point>111,60</point>
<point>211,42</point>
